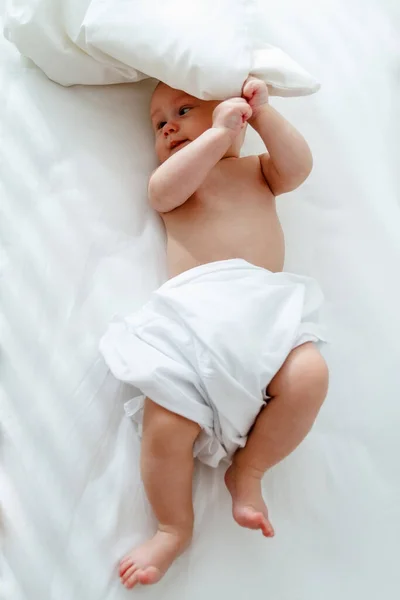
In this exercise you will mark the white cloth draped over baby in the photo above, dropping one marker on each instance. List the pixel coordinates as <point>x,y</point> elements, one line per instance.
<point>207,344</point>
<point>98,42</point>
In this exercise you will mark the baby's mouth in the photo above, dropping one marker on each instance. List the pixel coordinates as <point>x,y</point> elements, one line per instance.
<point>176,144</point>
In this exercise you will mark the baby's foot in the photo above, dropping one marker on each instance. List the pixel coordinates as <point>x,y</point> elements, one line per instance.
<point>147,563</point>
<point>248,507</point>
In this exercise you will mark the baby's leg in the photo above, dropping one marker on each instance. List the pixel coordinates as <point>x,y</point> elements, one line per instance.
<point>297,392</point>
<point>167,471</point>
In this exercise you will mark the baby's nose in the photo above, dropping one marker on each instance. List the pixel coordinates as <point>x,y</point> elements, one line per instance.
<point>170,127</point>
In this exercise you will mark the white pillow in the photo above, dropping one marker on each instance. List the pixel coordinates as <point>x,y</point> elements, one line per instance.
<point>205,48</point>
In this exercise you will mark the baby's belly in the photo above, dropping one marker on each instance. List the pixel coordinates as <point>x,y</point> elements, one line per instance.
<point>255,236</point>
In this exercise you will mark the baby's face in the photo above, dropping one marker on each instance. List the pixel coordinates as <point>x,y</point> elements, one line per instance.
<point>178,119</point>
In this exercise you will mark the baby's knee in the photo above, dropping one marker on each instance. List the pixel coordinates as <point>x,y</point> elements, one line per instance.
<point>304,376</point>
<point>317,367</point>
<point>315,376</point>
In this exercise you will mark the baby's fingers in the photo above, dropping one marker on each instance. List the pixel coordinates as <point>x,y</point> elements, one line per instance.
<point>247,112</point>
<point>250,87</point>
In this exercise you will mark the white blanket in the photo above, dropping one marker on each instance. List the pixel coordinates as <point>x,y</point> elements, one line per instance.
<point>208,343</point>
<point>208,51</point>
<point>80,244</point>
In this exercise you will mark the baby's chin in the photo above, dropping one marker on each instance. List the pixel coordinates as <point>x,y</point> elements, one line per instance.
<point>164,156</point>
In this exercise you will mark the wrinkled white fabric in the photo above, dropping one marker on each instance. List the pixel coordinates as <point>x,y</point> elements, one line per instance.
<point>207,50</point>
<point>207,344</point>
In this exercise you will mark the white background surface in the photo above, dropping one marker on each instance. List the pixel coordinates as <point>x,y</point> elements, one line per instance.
<point>80,243</point>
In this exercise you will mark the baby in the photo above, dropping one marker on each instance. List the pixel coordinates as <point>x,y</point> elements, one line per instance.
<point>225,350</point>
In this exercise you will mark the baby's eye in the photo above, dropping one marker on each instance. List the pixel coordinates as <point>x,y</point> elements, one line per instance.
<point>161,124</point>
<point>184,110</point>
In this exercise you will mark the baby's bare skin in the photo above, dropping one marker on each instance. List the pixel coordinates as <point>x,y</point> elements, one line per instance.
<point>216,206</point>
<point>225,205</point>
<point>231,215</point>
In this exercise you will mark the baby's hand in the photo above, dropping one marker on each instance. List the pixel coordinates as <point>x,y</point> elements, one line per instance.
<point>232,115</point>
<point>255,92</point>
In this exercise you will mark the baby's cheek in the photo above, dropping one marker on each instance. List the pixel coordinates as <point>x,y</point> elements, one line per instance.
<point>159,147</point>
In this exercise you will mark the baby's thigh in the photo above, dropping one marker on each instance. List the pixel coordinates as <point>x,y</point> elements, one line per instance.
<point>167,429</point>
<point>304,372</point>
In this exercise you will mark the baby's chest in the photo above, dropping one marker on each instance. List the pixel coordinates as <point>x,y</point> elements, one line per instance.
<point>234,181</point>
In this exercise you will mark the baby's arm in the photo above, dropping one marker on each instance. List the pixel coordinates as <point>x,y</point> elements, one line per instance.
<point>181,175</point>
<point>288,161</point>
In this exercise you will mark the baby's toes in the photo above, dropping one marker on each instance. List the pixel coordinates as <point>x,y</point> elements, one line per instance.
<point>263,523</point>
<point>149,575</point>
<point>128,574</point>
<point>125,564</point>
<point>267,529</point>
<point>131,578</point>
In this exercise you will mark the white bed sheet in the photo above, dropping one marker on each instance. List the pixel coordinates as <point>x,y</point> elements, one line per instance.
<point>80,243</point>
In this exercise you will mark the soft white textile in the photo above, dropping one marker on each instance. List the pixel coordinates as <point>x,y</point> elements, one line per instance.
<point>207,344</point>
<point>80,244</point>
<point>206,48</point>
